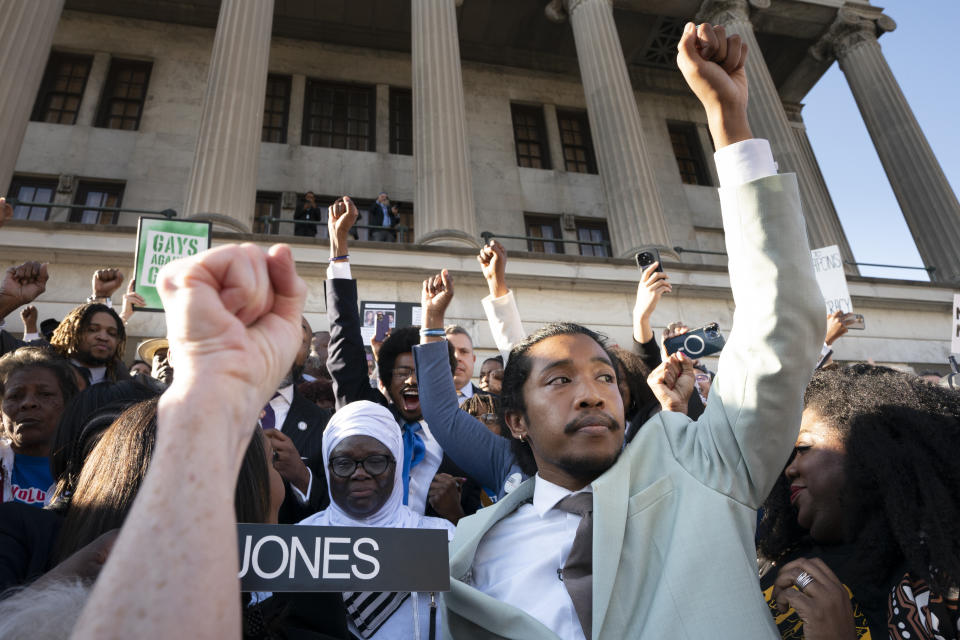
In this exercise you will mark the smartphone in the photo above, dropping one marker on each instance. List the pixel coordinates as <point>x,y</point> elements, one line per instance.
<point>698,343</point>
<point>383,324</point>
<point>854,321</point>
<point>646,258</point>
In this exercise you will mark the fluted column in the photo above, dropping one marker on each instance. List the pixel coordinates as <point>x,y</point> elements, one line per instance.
<point>634,212</point>
<point>223,179</point>
<point>928,203</point>
<point>769,120</point>
<point>26,33</point>
<point>445,211</point>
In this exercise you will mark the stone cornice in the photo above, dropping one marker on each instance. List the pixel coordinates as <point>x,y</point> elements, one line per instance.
<point>725,11</point>
<point>560,10</point>
<point>849,29</point>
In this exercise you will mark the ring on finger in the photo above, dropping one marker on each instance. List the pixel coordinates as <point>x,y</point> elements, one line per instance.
<point>803,580</point>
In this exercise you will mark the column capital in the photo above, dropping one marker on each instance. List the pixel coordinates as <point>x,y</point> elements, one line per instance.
<point>560,10</point>
<point>849,29</point>
<point>723,11</point>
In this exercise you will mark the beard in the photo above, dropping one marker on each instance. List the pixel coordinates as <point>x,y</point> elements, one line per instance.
<point>89,360</point>
<point>588,468</point>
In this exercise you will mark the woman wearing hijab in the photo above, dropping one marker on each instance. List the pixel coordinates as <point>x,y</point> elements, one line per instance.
<point>361,448</point>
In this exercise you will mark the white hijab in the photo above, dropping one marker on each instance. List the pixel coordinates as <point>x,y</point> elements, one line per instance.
<point>364,418</point>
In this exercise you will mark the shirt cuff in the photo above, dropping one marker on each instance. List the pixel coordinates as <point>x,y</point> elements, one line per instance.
<point>339,270</point>
<point>303,498</point>
<point>744,162</point>
<point>28,337</point>
<point>825,350</point>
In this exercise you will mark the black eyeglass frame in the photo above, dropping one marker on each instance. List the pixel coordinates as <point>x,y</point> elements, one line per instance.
<point>357,463</point>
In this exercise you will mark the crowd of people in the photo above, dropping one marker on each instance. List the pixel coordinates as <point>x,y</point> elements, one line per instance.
<point>587,490</point>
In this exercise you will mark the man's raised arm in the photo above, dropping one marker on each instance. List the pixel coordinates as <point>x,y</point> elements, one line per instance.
<point>346,357</point>
<point>745,435</point>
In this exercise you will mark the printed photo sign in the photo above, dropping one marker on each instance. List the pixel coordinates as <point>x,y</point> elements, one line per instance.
<point>955,335</point>
<point>159,241</point>
<point>828,268</point>
<point>282,558</point>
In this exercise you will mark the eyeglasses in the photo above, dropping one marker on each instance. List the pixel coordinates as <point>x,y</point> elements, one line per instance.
<point>344,467</point>
<point>703,377</point>
<point>402,373</point>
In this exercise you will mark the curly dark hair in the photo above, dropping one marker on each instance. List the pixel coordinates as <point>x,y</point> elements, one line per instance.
<point>402,341</point>
<point>902,505</point>
<point>517,371</point>
<point>66,339</point>
<point>43,358</point>
<point>635,373</point>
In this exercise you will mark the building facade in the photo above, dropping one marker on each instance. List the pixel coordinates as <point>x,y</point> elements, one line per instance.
<point>561,127</point>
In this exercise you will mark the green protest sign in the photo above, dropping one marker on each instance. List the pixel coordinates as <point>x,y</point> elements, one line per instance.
<point>159,241</point>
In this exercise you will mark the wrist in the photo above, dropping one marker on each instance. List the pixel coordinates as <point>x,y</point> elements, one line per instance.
<point>728,125</point>
<point>498,289</point>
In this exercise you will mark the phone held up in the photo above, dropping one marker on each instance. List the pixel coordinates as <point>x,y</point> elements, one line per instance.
<point>698,343</point>
<point>383,324</point>
<point>853,321</point>
<point>646,258</point>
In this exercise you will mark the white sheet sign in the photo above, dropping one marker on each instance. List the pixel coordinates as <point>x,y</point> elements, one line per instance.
<point>828,267</point>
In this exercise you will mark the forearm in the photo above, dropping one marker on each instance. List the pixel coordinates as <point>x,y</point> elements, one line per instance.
<point>482,455</point>
<point>346,357</point>
<point>642,331</point>
<point>182,518</point>
<point>503,316</point>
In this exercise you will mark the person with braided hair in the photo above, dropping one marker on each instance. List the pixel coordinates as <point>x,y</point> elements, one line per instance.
<point>860,535</point>
<point>92,337</point>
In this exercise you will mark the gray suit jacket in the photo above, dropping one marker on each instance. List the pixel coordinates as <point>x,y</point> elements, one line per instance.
<point>674,518</point>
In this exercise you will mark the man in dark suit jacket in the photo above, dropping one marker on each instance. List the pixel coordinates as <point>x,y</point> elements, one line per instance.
<point>294,427</point>
<point>347,364</point>
<point>382,212</point>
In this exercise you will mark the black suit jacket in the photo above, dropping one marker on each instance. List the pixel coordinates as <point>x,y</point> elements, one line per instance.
<point>347,364</point>
<point>309,443</point>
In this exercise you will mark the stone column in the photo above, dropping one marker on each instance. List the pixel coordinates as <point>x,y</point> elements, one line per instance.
<point>382,135</point>
<point>96,79</point>
<point>444,207</point>
<point>298,87</point>
<point>769,120</point>
<point>634,212</point>
<point>26,34</point>
<point>223,180</point>
<point>928,203</point>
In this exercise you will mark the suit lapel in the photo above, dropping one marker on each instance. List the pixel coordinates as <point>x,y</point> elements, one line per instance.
<point>610,500</point>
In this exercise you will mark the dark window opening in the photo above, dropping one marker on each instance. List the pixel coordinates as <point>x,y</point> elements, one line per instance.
<point>689,154</point>
<point>338,116</point>
<point>547,228</point>
<point>32,190</point>
<point>124,94</point>
<point>593,231</point>
<point>577,142</point>
<point>401,121</point>
<point>97,194</point>
<point>530,136</point>
<point>276,107</point>
<point>62,88</point>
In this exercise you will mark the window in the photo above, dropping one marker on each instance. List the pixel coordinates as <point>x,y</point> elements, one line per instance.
<point>530,136</point>
<point>124,94</point>
<point>593,231</point>
<point>338,116</point>
<point>401,121</point>
<point>32,190</point>
<point>276,106</point>
<point>97,194</point>
<point>686,148</point>
<point>546,227</point>
<point>62,88</point>
<point>577,142</point>
<point>268,204</point>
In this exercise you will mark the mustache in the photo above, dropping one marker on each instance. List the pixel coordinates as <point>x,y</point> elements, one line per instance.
<point>409,387</point>
<point>596,418</point>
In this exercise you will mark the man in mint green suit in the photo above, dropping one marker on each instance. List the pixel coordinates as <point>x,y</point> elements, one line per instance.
<point>674,514</point>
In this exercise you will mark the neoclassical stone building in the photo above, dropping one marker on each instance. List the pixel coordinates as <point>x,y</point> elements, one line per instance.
<point>560,126</point>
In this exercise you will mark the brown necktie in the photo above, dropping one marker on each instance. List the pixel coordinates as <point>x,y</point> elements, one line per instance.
<point>578,570</point>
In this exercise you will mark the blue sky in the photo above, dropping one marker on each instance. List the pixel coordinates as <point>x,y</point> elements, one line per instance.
<point>919,54</point>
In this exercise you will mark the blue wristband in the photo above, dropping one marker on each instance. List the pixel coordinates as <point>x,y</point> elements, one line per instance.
<point>432,333</point>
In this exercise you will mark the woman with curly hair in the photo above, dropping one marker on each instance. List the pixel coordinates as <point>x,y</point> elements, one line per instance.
<point>862,533</point>
<point>92,336</point>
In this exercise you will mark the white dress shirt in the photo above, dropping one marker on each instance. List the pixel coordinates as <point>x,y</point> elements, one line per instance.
<point>281,407</point>
<point>97,374</point>
<point>466,391</point>
<point>519,560</point>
